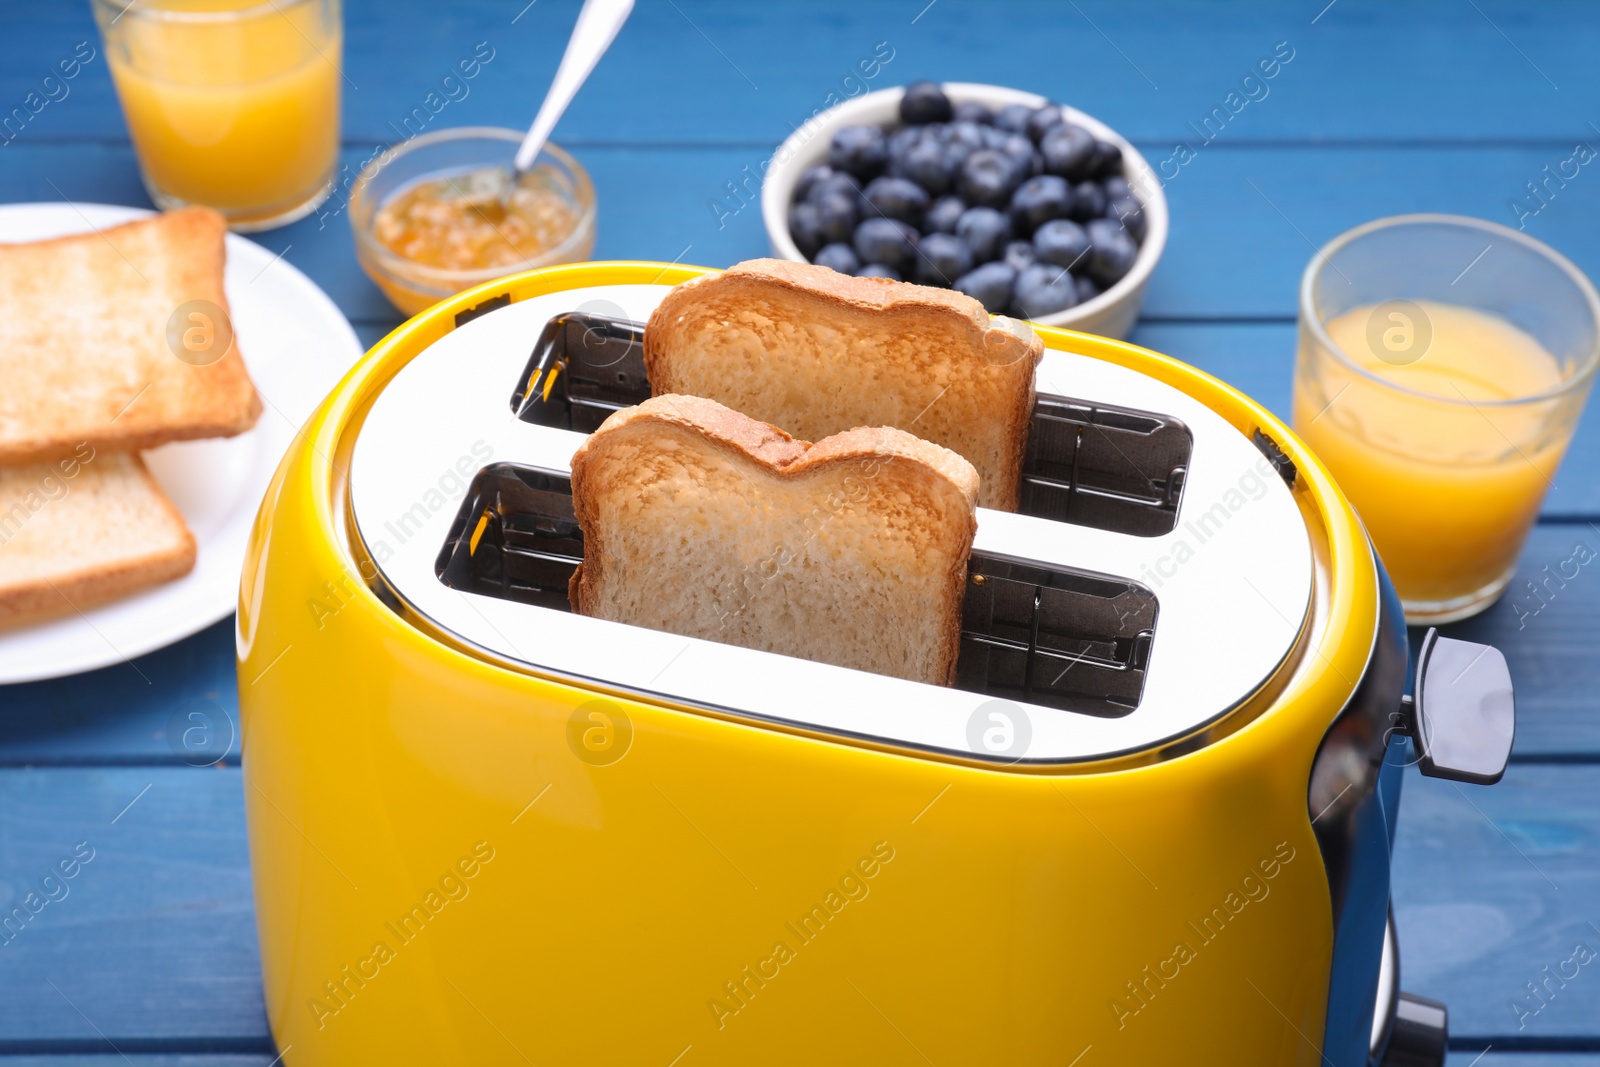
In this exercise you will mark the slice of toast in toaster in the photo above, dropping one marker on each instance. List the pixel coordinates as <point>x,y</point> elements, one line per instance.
<point>817,352</point>
<point>701,521</point>
<point>81,531</point>
<point>110,338</point>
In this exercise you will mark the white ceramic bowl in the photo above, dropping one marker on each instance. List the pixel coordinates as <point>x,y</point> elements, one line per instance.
<point>1111,314</point>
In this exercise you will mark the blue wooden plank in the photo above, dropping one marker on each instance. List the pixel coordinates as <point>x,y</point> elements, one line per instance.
<point>1491,886</point>
<point>153,938</point>
<point>716,71</point>
<point>1245,221</point>
<point>179,706</point>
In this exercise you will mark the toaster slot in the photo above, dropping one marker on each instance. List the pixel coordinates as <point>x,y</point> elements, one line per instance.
<point>1108,467</point>
<point>1087,463</point>
<point>1042,635</point>
<point>1052,636</point>
<point>515,537</point>
<point>582,368</point>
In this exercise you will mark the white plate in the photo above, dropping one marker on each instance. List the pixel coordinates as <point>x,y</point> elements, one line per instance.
<point>297,346</point>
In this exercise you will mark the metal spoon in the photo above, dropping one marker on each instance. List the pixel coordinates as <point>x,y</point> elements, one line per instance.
<point>597,26</point>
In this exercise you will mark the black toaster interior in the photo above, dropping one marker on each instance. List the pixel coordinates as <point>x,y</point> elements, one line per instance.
<point>1089,464</point>
<point>1043,635</point>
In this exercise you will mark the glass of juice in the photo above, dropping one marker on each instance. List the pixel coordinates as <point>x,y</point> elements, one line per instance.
<point>231,104</point>
<point>1443,363</point>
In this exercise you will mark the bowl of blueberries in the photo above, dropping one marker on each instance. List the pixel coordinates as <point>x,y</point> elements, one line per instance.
<point>1033,208</point>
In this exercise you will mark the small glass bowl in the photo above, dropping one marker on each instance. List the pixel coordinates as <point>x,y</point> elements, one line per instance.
<point>413,287</point>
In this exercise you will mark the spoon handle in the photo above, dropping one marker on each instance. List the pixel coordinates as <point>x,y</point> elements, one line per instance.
<point>597,27</point>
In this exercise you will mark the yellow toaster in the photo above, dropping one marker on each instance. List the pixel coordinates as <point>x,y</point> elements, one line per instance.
<point>1150,823</point>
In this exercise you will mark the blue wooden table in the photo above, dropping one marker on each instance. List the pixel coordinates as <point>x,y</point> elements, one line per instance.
<point>1452,105</point>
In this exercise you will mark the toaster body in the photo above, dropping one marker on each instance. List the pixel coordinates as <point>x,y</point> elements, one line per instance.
<point>484,835</point>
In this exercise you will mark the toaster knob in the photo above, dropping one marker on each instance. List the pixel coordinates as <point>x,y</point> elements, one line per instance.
<point>1463,715</point>
<point>1418,1035</point>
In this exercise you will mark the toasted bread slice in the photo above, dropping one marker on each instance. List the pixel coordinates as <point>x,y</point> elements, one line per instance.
<point>817,352</point>
<point>703,522</point>
<point>77,532</point>
<point>84,352</point>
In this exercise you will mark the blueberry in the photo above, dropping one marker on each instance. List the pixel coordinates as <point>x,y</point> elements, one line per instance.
<point>841,257</point>
<point>1087,289</point>
<point>861,150</point>
<point>837,182</point>
<point>896,198</point>
<point>1014,118</point>
<point>1117,187</point>
<point>1043,120</point>
<point>942,216</point>
<point>1129,212</point>
<point>985,231</point>
<point>1044,289</point>
<point>836,217</point>
<point>1062,242</point>
<point>962,138</point>
<point>878,270</point>
<point>928,164</point>
<point>1088,201</point>
<point>901,140</point>
<point>972,111</point>
<point>1114,251</point>
<point>990,285</point>
<point>806,229</point>
<point>1019,255</point>
<point>987,177</point>
<point>1021,150</point>
<point>1107,160</point>
<point>942,259</point>
<point>1038,200</point>
<point>993,136</point>
<point>886,241</point>
<point>809,177</point>
<point>924,102</point>
<point>1068,150</point>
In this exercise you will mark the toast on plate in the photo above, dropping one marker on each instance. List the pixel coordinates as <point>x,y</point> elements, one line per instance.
<point>101,344</point>
<point>817,352</point>
<point>81,531</point>
<point>701,521</point>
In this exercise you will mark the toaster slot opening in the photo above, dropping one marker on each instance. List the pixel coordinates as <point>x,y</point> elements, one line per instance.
<point>1052,636</point>
<point>582,368</point>
<point>1042,635</point>
<point>1087,463</point>
<point>515,537</point>
<point>1103,466</point>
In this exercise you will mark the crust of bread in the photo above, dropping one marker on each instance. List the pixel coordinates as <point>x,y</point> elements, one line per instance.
<point>111,571</point>
<point>931,492</point>
<point>83,346</point>
<point>818,352</point>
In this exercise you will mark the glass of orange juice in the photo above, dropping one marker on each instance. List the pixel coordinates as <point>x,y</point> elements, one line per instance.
<point>231,104</point>
<point>1443,363</point>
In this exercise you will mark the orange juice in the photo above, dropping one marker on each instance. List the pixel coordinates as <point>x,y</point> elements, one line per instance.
<point>233,104</point>
<point>1446,444</point>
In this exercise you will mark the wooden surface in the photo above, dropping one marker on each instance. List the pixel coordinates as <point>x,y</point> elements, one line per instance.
<point>1449,106</point>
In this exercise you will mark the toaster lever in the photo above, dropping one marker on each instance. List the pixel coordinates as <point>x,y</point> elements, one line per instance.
<point>1463,716</point>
